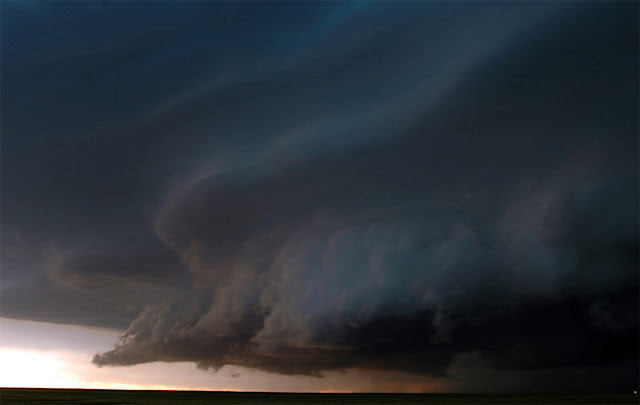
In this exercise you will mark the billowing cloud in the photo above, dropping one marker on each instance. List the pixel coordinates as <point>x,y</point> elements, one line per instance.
<point>320,286</point>
<point>399,187</point>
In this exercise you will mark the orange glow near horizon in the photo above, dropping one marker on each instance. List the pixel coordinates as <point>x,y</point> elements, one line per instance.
<point>63,360</point>
<point>50,369</point>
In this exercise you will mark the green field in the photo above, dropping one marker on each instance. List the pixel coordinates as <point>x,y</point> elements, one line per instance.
<point>113,397</point>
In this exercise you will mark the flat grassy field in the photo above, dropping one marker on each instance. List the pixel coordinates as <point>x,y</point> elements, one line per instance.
<point>113,397</point>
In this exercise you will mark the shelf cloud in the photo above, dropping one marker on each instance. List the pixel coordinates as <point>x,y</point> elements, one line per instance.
<point>302,188</point>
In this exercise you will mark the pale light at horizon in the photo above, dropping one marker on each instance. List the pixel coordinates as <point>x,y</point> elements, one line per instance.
<point>30,363</point>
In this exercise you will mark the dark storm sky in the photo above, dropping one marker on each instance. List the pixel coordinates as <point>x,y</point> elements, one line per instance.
<point>307,187</point>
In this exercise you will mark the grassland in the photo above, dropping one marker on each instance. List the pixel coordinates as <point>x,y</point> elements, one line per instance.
<point>113,397</point>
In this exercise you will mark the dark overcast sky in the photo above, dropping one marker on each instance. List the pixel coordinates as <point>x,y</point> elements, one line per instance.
<point>300,188</point>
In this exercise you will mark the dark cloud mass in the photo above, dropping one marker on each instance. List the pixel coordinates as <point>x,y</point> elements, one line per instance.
<point>306,187</point>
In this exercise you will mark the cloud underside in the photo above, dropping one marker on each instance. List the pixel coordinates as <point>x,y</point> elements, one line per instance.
<point>492,222</point>
<point>299,272</point>
<point>368,259</point>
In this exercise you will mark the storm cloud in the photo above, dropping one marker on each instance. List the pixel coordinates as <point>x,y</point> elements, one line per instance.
<point>307,187</point>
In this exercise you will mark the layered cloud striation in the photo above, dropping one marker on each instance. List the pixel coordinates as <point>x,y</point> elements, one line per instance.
<point>331,186</point>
